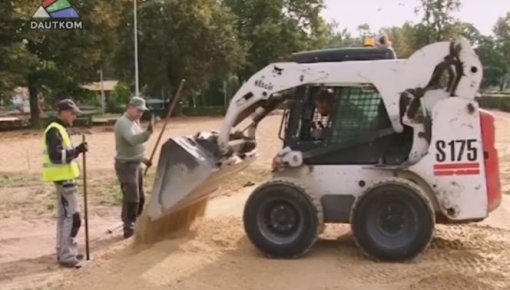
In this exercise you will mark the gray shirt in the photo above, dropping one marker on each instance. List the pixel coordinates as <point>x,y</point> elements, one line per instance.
<point>129,139</point>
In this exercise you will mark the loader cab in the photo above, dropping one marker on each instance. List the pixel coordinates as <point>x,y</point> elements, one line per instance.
<point>343,125</point>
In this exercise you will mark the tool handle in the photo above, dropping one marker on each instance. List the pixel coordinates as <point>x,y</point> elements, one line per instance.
<point>169,113</point>
<point>86,216</point>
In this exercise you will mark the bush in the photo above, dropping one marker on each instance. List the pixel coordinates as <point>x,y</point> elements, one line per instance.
<point>119,98</point>
<point>494,102</point>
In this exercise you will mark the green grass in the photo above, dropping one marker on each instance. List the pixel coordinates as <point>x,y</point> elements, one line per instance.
<point>105,191</point>
<point>10,179</point>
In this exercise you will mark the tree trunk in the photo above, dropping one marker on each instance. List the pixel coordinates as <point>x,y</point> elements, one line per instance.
<point>502,84</point>
<point>35,118</point>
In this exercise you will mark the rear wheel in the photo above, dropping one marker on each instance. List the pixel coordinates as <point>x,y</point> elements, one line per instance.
<point>393,221</point>
<point>282,219</point>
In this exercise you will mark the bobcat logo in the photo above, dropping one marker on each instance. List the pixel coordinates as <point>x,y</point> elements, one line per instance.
<point>266,86</point>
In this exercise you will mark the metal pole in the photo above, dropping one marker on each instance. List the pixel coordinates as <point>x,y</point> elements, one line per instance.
<point>86,217</point>
<point>103,100</point>
<point>225,102</point>
<point>135,29</point>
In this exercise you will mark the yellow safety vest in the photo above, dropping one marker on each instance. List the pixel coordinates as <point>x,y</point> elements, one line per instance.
<point>59,172</point>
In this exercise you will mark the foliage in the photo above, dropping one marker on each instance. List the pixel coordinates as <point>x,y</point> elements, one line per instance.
<point>207,42</point>
<point>273,29</point>
<point>62,59</point>
<point>119,98</point>
<point>496,65</point>
<point>502,51</point>
<point>193,39</point>
<point>16,59</point>
<point>495,102</point>
<point>436,19</point>
<point>340,37</point>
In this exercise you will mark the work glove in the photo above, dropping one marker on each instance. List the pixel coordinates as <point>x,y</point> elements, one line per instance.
<point>82,148</point>
<point>147,162</point>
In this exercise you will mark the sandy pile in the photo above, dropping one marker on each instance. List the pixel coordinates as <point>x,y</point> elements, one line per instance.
<point>217,255</point>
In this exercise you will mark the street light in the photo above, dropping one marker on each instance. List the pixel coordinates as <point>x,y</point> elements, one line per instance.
<point>135,29</point>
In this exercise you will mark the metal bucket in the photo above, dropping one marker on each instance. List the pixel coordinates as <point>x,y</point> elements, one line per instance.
<point>189,170</point>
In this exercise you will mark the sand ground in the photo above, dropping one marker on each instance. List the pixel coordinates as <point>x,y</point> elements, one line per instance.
<point>217,255</point>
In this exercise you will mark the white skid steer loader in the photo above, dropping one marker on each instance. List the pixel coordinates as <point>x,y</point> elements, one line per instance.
<point>391,146</point>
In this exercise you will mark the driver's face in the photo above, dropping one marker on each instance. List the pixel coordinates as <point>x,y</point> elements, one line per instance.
<point>323,107</point>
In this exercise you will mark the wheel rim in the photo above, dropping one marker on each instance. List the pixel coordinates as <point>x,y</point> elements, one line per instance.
<point>392,222</point>
<point>280,220</point>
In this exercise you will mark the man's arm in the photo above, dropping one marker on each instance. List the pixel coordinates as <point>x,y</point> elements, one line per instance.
<point>56,151</point>
<point>124,129</point>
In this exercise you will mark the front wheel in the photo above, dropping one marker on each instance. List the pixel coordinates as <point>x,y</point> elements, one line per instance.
<point>282,219</point>
<point>393,221</point>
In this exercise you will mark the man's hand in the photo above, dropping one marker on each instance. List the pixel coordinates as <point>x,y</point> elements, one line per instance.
<point>82,148</point>
<point>147,162</point>
<point>150,128</point>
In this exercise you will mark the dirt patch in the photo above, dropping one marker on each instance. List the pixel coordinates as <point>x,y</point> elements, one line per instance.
<point>217,254</point>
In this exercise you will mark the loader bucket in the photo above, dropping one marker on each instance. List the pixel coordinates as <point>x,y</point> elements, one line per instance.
<point>189,170</point>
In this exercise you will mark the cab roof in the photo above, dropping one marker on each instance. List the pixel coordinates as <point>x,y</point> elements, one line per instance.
<point>343,54</point>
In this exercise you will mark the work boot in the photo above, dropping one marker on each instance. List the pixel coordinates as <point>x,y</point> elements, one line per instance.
<point>129,224</point>
<point>128,233</point>
<point>76,264</point>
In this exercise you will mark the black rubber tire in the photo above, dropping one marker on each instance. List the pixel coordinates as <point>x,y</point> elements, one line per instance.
<point>306,210</point>
<point>411,213</point>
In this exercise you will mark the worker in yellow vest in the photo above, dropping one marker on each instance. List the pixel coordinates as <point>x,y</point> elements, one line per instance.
<point>60,167</point>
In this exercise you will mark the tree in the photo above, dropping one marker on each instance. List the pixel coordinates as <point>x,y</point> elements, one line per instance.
<point>364,29</point>
<point>466,30</point>
<point>496,66</point>
<point>403,39</point>
<point>273,29</point>
<point>193,39</point>
<point>496,53</point>
<point>67,58</point>
<point>16,59</point>
<point>340,37</point>
<point>436,20</point>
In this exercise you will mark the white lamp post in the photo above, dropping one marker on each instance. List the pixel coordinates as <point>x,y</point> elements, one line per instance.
<point>135,29</point>
<point>103,99</point>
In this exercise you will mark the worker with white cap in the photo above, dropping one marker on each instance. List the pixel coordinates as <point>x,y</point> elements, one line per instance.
<point>129,139</point>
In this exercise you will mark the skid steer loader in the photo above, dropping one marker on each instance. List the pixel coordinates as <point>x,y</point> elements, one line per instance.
<point>391,146</point>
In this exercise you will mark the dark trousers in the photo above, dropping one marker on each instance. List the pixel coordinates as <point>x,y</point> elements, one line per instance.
<point>130,177</point>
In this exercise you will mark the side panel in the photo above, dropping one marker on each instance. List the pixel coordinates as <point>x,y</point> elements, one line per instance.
<point>454,164</point>
<point>336,179</point>
<point>491,161</point>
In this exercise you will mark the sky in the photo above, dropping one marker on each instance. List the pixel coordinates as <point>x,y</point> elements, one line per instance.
<point>483,14</point>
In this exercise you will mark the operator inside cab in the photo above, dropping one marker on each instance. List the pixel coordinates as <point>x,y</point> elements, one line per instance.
<point>323,103</point>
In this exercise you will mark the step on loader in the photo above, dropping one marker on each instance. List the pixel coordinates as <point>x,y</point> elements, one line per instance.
<point>390,146</point>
